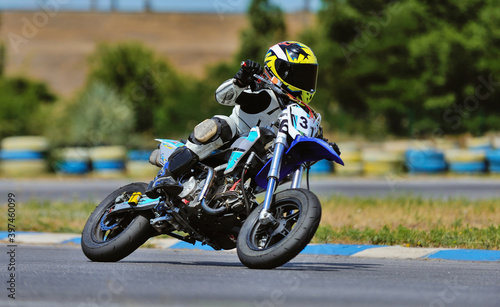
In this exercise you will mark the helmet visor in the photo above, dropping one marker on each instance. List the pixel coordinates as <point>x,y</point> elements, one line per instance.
<point>302,76</point>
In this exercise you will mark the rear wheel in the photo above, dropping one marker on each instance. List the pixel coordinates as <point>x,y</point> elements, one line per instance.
<point>111,238</point>
<point>297,212</point>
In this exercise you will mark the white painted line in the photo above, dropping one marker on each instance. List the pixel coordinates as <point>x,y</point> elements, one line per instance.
<point>163,243</point>
<point>45,237</point>
<point>397,252</point>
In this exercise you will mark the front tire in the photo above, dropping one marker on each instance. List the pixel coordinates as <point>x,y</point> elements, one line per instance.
<point>298,213</point>
<point>109,239</point>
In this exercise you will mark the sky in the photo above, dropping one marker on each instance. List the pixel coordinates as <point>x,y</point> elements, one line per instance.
<point>191,6</point>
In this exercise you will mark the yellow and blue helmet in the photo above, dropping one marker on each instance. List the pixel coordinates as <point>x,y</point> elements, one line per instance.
<point>294,67</point>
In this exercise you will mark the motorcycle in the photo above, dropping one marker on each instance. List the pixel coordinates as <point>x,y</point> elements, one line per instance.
<point>218,205</point>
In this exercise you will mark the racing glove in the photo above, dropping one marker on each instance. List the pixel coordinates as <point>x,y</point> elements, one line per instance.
<point>335,147</point>
<point>244,77</point>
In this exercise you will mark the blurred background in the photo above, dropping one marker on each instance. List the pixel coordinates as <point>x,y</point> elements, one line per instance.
<point>408,86</point>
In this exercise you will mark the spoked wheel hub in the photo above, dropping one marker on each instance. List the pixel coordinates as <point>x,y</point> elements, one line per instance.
<point>113,236</point>
<point>266,235</point>
<point>111,226</point>
<point>296,215</point>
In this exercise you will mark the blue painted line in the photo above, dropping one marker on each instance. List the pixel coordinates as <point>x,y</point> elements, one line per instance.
<point>466,255</point>
<point>5,234</point>
<point>197,245</point>
<point>336,249</point>
<point>74,241</point>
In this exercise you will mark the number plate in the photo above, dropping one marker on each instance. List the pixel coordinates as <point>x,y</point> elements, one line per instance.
<point>301,122</point>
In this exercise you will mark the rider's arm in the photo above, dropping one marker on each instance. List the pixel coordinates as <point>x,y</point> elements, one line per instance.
<point>228,92</point>
<point>254,102</point>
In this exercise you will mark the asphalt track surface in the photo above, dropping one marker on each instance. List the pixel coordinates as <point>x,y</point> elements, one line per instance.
<point>69,189</point>
<point>62,276</point>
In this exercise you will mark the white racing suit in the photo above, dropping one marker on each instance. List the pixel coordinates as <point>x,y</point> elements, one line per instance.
<point>251,108</point>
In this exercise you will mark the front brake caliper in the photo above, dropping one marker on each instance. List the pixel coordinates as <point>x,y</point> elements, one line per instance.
<point>104,227</point>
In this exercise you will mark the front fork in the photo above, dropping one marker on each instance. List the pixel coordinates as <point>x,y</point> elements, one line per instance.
<point>265,217</point>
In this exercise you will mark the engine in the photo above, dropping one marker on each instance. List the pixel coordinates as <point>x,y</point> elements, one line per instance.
<point>226,194</point>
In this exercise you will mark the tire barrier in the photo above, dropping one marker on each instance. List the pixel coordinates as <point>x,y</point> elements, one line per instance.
<point>428,161</point>
<point>380,162</point>
<point>495,142</point>
<point>26,143</point>
<point>138,164</point>
<point>23,156</point>
<point>322,167</point>
<point>108,161</point>
<point>26,156</point>
<point>465,161</point>
<point>72,160</point>
<point>351,155</point>
<point>444,144</point>
<point>493,158</point>
<point>397,146</point>
<point>478,143</point>
<point>20,155</point>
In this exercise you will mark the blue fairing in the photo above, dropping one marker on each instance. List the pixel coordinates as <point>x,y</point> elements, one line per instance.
<point>303,149</point>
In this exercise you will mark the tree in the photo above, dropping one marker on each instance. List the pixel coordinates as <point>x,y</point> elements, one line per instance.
<point>147,6</point>
<point>163,99</point>
<point>93,5</point>
<point>114,5</point>
<point>148,82</point>
<point>2,59</point>
<point>2,52</point>
<point>410,67</point>
<point>97,116</point>
<point>267,27</point>
<point>21,102</point>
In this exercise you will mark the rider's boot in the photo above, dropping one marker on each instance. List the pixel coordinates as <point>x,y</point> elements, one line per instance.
<point>178,163</point>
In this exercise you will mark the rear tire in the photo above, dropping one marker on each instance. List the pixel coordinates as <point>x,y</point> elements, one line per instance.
<point>298,212</point>
<point>127,233</point>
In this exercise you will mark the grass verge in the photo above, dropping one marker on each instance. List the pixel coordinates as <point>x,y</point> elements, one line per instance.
<point>46,216</point>
<point>411,221</point>
<point>406,220</point>
<point>463,237</point>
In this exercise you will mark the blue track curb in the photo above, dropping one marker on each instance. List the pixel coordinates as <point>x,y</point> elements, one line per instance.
<point>335,249</point>
<point>77,241</point>
<point>466,255</point>
<point>365,251</point>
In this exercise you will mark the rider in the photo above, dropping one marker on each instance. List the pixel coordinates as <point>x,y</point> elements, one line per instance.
<point>290,65</point>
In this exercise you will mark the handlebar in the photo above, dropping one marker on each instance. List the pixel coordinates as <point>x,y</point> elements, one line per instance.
<point>273,87</point>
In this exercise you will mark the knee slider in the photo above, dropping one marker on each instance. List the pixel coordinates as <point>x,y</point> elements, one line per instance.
<point>211,129</point>
<point>205,130</point>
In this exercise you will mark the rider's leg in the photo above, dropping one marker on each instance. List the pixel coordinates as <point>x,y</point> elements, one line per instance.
<point>210,135</point>
<point>206,137</point>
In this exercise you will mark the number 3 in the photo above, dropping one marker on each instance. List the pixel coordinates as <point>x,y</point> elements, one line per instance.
<point>303,124</point>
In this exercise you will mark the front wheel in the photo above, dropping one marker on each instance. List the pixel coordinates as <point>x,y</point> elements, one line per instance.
<point>111,238</point>
<point>298,213</point>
